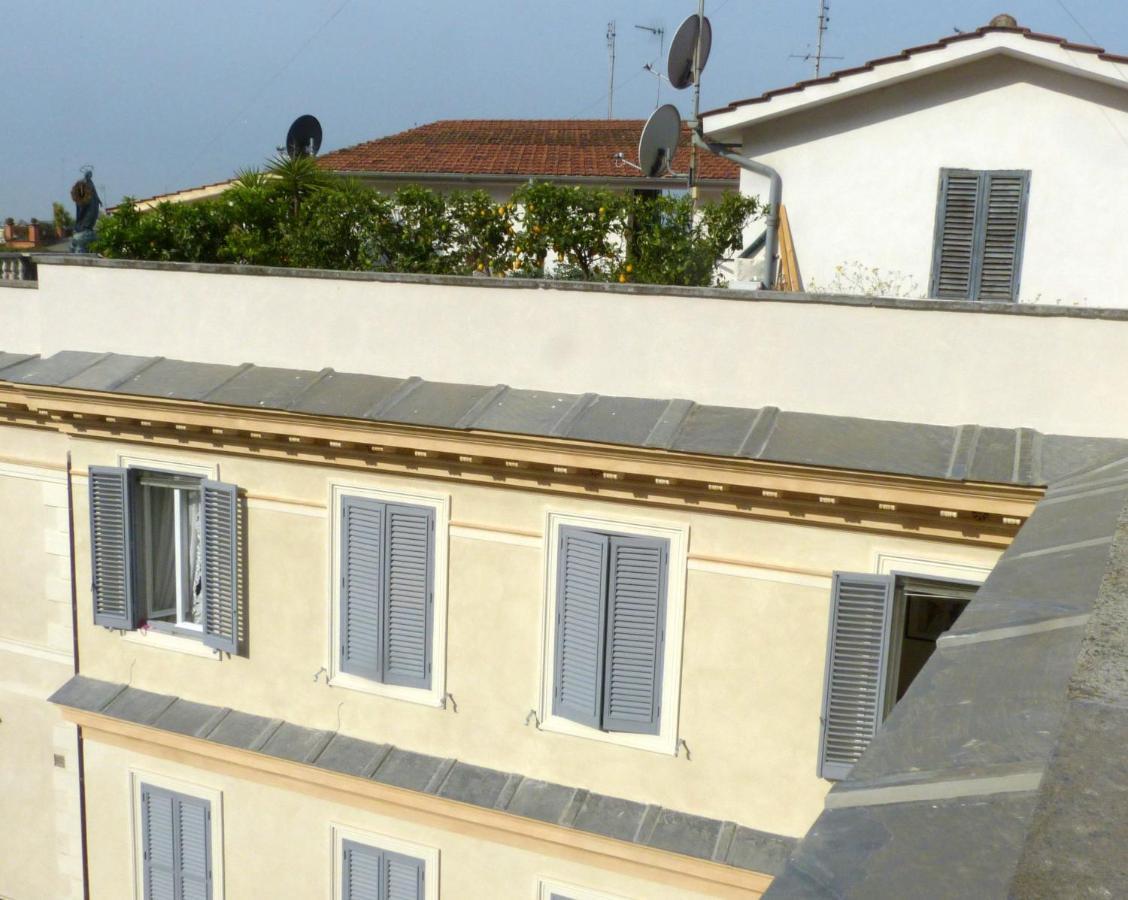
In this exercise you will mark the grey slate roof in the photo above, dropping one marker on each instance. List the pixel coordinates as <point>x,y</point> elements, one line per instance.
<point>723,842</point>
<point>1002,771</point>
<point>963,453</point>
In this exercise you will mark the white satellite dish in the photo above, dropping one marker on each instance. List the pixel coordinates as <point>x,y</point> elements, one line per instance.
<point>659,140</point>
<point>684,45</point>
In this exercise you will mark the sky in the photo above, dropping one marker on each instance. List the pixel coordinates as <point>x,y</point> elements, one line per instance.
<point>159,96</point>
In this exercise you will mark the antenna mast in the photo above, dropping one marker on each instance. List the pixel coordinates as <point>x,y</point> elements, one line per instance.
<point>818,56</point>
<point>611,67</point>
<point>660,33</point>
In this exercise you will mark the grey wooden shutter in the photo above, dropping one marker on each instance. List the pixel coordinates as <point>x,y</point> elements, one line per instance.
<point>111,548</point>
<point>193,845</point>
<point>954,263</point>
<point>221,565</point>
<point>581,590</point>
<point>407,595</point>
<point>176,845</point>
<point>854,685</point>
<point>403,877</point>
<point>362,584</point>
<point>636,619</point>
<point>1002,234</point>
<point>361,872</point>
<point>158,844</point>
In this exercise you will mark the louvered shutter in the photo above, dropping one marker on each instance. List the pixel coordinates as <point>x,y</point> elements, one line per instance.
<point>403,877</point>
<point>362,583</point>
<point>220,565</point>
<point>110,548</point>
<point>581,584</point>
<point>854,686</point>
<point>361,872</point>
<point>193,844</point>
<point>158,843</point>
<point>636,614</point>
<point>407,595</point>
<point>1004,222</point>
<point>954,252</point>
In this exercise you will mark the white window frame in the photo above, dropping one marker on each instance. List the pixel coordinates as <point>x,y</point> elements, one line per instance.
<point>156,638</point>
<point>438,502</point>
<point>546,887</point>
<point>677,534</point>
<point>340,832</point>
<point>214,797</point>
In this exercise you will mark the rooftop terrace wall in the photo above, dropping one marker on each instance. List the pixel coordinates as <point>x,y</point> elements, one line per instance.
<point>927,361</point>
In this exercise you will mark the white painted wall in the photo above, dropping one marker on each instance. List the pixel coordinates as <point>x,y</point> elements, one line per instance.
<point>1058,373</point>
<point>860,175</point>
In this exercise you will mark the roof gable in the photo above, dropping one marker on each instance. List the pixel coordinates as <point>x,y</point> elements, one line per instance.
<point>1092,63</point>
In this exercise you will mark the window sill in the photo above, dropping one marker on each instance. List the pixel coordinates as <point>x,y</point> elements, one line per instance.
<point>172,641</point>
<point>421,696</point>
<point>666,745</point>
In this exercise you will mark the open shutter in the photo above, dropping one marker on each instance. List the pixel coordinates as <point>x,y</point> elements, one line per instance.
<point>158,843</point>
<point>854,686</point>
<point>403,877</point>
<point>362,582</point>
<point>361,872</point>
<point>221,566</point>
<point>408,589</point>
<point>193,844</point>
<point>1003,230</point>
<point>581,590</point>
<point>110,548</point>
<point>636,619</point>
<point>954,260</point>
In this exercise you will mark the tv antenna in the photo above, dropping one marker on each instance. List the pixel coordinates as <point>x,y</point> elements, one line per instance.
<point>611,67</point>
<point>818,56</point>
<point>689,52</point>
<point>659,32</point>
<point>303,138</point>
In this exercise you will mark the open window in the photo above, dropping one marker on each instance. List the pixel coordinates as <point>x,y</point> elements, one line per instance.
<point>883,629</point>
<point>164,553</point>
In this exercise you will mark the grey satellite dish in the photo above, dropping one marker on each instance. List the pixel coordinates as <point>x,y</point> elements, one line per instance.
<point>659,140</point>
<point>680,68</point>
<point>304,137</point>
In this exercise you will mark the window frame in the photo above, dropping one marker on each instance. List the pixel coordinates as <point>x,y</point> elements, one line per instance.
<point>339,832</point>
<point>162,635</point>
<point>677,534</point>
<point>439,503</point>
<point>548,888</point>
<point>214,797</point>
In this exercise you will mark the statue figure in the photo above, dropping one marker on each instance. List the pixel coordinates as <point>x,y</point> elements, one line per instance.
<point>86,204</point>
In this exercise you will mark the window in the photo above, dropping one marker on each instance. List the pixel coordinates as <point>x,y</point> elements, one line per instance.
<point>610,630</point>
<point>164,553</point>
<point>176,845</point>
<point>379,867</point>
<point>389,593</point>
<point>883,629</point>
<point>980,229</point>
<point>558,890</point>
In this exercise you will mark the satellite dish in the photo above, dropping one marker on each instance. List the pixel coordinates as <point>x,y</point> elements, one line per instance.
<point>659,140</point>
<point>680,67</point>
<point>304,137</point>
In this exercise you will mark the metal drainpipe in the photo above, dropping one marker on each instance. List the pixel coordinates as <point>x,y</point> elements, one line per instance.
<point>80,762</point>
<point>775,197</point>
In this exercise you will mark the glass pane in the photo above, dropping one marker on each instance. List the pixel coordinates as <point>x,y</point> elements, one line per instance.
<point>159,548</point>
<point>192,612</point>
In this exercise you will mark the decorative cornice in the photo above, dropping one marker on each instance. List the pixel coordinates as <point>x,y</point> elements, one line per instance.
<point>985,514</point>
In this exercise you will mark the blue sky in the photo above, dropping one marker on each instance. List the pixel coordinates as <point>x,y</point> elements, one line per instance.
<point>158,96</point>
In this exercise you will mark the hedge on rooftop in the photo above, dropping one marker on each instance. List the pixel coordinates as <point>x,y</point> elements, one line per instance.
<point>296,214</point>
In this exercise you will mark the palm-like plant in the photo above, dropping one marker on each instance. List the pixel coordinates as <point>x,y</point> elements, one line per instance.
<point>296,177</point>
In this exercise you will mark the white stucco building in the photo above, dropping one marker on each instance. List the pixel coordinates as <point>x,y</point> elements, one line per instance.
<point>987,166</point>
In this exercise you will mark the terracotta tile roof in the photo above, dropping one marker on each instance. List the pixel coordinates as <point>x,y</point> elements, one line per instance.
<point>515,147</point>
<point>1065,44</point>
